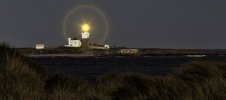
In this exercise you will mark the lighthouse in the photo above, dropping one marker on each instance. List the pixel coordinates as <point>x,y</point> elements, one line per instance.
<point>84,41</point>
<point>85,35</point>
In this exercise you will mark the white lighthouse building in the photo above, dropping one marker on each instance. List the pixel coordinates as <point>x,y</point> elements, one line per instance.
<point>73,43</point>
<point>85,35</point>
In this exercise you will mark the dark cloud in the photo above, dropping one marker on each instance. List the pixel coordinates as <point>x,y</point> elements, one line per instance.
<point>133,23</point>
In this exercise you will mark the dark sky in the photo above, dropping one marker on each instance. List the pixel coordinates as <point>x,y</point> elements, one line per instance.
<point>199,24</point>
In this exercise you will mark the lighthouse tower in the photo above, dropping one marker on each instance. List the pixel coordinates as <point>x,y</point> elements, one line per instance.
<point>85,35</point>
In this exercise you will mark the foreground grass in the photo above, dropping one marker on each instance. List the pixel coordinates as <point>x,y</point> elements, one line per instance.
<point>22,80</point>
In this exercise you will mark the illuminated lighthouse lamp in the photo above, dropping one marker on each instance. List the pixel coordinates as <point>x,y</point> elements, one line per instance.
<point>85,31</point>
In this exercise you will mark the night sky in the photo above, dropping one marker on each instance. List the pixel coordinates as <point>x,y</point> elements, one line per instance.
<point>191,24</point>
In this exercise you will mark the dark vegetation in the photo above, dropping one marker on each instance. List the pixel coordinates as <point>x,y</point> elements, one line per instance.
<point>116,51</point>
<point>50,50</point>
<point>22,80</point>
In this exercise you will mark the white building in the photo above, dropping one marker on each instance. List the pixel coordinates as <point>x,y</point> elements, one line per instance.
<point>129,51</point>
<point>73,43</point>
<point>40,46</point>
<point>107,46</point>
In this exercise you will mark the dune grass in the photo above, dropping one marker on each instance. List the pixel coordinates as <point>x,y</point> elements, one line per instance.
<point>23,80</point>
<point>66,88</point>
<point>20,79</point>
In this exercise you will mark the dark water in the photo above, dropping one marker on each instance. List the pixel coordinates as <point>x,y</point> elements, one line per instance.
<point>91,67</point>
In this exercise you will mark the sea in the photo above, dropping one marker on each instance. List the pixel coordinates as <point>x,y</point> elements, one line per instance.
<point>92,67</point>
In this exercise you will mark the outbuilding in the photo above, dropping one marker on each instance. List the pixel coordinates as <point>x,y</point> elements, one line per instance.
<point>40,46</point>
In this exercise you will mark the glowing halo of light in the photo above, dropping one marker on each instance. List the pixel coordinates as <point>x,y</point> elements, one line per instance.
<point>105,19</point>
